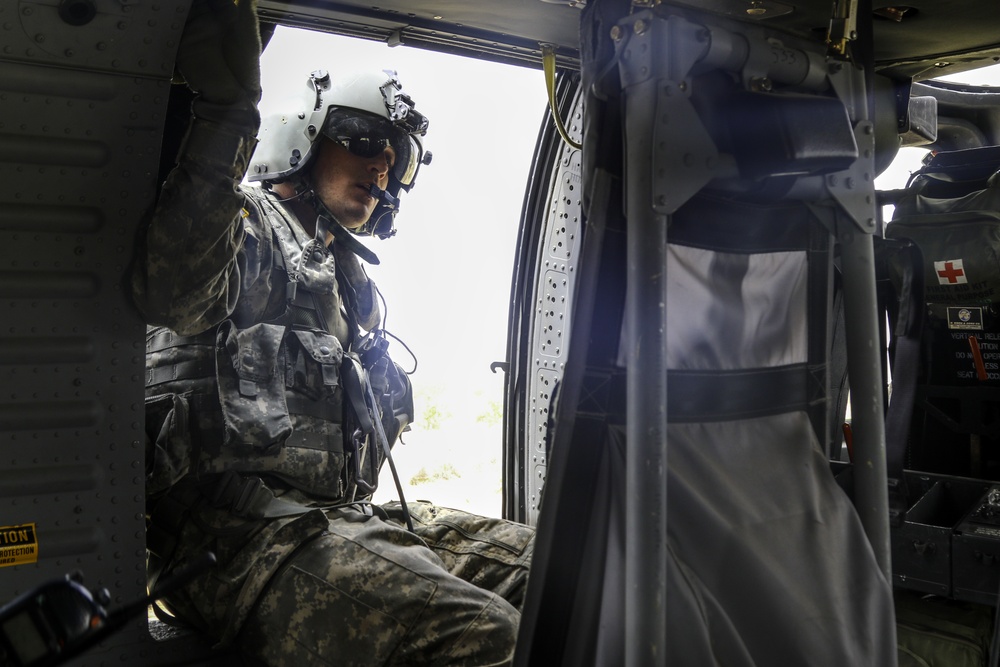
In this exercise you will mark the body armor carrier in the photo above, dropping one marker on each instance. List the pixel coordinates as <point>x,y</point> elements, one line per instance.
<point>263,393</point>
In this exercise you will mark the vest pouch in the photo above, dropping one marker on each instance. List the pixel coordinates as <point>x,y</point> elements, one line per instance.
<point>312,365</point>
<point>251,391</point>
<point>168,441</point>
<point>315,404</point>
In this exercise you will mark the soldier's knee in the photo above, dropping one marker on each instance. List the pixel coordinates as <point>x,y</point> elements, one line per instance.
<point>490,638</point>
<point>503,619</point>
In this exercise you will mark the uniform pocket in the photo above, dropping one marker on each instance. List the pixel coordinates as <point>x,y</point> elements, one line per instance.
<point>463,533</point>
<point>251,391</point>
<point>493,554</point>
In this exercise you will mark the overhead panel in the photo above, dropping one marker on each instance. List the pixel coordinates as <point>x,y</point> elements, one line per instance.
<point>920,39</point>
<point>510,32</point>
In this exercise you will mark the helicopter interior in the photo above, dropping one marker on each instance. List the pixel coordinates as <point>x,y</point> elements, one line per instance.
<point>668,112</point>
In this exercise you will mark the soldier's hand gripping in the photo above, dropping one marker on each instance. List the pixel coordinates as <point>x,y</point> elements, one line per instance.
<point>219,57</point>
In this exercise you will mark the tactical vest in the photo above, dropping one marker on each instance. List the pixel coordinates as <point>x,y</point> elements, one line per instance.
<point>263,398</point>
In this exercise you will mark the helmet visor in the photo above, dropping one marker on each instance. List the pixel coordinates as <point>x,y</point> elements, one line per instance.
<point>367,135</point>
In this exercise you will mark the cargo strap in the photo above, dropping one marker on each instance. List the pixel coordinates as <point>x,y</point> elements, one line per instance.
<point>906,362</point>
<point>549,66</point>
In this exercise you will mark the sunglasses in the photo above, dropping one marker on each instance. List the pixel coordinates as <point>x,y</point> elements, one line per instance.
<point>366,147</point>
<point>367,136</point>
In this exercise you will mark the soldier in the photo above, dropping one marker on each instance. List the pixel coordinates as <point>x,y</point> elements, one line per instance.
<point>269,411</point>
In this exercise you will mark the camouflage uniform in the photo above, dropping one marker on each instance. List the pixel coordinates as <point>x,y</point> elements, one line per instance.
<point>246,455</point>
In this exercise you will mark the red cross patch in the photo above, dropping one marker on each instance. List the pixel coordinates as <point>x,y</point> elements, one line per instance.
<point>950,272</point>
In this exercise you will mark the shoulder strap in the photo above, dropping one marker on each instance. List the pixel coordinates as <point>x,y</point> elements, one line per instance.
<point>358,390</point>
<point>293,243</point>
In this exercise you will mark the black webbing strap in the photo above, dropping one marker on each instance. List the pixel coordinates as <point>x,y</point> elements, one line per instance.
<point>162,339</point>
<point>298,405</point>
<point>348,240</point>
<point>250,498</point>
<point>359,392</point>
<point>187,370</point>
<point>905,366</point>
<point>699,396</point>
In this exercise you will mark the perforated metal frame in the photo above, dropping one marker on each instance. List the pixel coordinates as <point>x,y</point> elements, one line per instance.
<point>558,254</point>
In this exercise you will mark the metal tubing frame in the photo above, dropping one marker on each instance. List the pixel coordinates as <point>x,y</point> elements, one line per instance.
<point>645,341</point>
<point>864,367</point>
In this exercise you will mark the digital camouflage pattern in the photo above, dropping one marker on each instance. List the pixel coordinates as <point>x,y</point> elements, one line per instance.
<point>195,221</point>
<point>351,589</point>
<point>262,400</point>
<point>236,382</point>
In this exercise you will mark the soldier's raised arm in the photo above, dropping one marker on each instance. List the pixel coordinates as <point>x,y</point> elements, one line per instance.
<point>187,275</point>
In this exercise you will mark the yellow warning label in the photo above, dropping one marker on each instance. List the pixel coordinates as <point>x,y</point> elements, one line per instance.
<point>18,545</point>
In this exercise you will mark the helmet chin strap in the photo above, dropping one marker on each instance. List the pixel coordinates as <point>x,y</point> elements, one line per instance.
<point>327,222</point>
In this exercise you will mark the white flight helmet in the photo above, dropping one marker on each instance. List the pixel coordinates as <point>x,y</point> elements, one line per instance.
<point>364,112</point>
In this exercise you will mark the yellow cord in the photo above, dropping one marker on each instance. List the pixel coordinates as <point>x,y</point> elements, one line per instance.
<point>549,64</point>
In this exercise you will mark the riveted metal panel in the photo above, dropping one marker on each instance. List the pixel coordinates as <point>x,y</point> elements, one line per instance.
<point>84,87</point>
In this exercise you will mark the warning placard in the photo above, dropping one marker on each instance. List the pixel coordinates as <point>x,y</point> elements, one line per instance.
<point>18,545</point>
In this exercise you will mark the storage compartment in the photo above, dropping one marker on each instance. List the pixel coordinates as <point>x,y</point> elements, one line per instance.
<point>949,542</point>
<point>976,550</point>
<point>922,545</point>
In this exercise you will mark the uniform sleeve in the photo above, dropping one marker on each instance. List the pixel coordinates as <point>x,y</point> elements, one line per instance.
<point>187,275</point>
